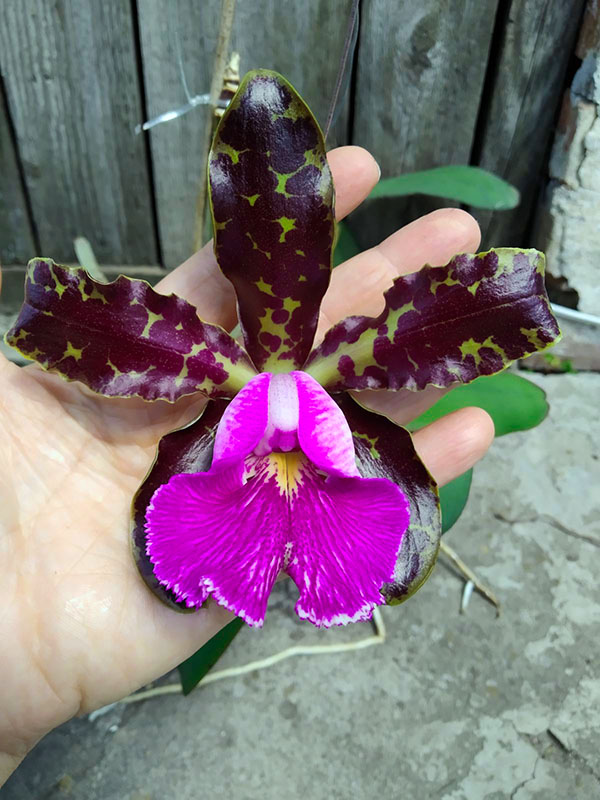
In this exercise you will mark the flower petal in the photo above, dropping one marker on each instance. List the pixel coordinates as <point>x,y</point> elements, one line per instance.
<point>244,421</point>
<point>347,534</point>
<point>386,450</point>
<point>213,533</point>
<point>123,338</point>
<point>229,533</point>
<point>443,325</point>
<point>188,449</point>
<point>323,432</point>
<point>272,203</point>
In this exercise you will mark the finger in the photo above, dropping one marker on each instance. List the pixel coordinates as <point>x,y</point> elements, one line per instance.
<point>453,444</point>
<point>200,280</point>
<point>403,406</point>
<point>357,286</point>
<point>355,172</point>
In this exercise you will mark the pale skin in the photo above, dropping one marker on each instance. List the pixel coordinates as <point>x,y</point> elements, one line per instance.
<point>79,629</point>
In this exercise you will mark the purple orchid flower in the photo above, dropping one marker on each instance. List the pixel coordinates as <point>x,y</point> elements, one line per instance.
<point>284,476</point>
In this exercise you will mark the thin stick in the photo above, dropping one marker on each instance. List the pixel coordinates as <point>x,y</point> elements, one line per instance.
<point>470,575</point>
<point>219,65</point>
<point>269,661</point>
<point>352,22</point>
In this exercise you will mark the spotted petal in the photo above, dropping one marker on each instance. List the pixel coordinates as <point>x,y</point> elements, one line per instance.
<point>229,532</point>
<point>386,450</point>
<point>272,203</point>
<point>123,338</point>
<point>443,325</point>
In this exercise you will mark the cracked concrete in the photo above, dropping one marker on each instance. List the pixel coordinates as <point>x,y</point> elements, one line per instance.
<point>456,707</point>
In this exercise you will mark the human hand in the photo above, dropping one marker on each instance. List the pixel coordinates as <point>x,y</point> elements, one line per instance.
<point>80,629</point>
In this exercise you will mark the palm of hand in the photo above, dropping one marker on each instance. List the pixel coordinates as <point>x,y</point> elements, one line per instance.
<point>79,626</point>
<point>86,628</point>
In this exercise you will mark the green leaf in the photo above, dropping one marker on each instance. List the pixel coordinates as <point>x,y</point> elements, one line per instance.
<point>470,185</point>
<point>453,498</point>
<point>345,245</point>
<point>193,669</point>
<point>514,403</point>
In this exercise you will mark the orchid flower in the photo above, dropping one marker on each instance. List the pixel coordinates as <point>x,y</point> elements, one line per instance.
<point>284,471</point>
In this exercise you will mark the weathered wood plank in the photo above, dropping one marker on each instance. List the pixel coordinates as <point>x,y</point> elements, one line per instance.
<point>302,40</point>
<point>538,41</point>
<point>419,82</point>
<point>70,74</point>
<point>16,237</point>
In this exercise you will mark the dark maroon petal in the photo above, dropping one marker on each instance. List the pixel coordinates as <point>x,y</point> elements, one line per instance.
<point>443,325</point>
<point>272,204</point>
<point>123,338</point>
<point>385,450</point>
<point>187,450</point>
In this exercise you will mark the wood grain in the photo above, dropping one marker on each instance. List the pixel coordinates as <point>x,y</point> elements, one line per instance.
<point>16,236</point>
<point>419,82</point>
<point>301,40</point>
<point>70,73</point>
<point>537,42</point>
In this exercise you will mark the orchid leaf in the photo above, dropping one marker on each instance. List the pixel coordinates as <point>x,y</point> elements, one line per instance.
<point>187,449</point>
<point>453,499</point>
<point>513,402</point>
<point>464,184</point>
<point>345,245</point>
<point>122,338</point>
<point>385,450</point>
<point>272,204</point>
<point>443,325</point>
<point>194,668</point>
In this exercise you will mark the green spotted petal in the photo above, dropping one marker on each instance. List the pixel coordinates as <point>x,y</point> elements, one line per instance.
<point>272,203</point>
<point>385,450</point>
<point>122,338</point>
<point>443,325</point>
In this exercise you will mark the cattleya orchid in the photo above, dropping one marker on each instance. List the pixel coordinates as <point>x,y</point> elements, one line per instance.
<point>284,471</point>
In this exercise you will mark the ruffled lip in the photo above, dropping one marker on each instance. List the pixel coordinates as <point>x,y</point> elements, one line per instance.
<point>230,531</point>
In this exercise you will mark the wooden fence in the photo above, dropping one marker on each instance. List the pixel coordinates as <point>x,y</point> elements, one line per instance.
<point>434,82</point>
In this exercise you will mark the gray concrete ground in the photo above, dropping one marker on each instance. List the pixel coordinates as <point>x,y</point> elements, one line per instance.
<point>457,707</point>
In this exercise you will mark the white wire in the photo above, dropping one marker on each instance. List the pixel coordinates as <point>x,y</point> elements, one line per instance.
<point>576,316</point>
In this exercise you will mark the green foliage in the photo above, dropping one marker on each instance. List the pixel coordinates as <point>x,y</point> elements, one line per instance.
<point>470,185</point>
<point>345,246</point>
<point>514,404</point>
<point>195,667</point>
<point>453,499</point>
